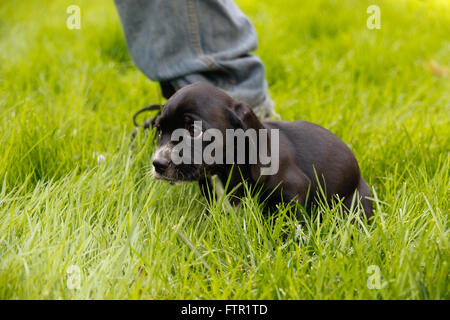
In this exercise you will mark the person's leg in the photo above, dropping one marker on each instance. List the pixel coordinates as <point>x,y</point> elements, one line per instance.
<point>181,42</point>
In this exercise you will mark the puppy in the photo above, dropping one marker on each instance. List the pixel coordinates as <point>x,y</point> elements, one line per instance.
<point>308,156</point>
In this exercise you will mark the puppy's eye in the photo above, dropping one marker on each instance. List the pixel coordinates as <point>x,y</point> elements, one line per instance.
<point>158,134</point>
<point>195,131</point>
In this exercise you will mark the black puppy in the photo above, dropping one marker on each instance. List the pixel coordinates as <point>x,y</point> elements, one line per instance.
<point>307,152</point>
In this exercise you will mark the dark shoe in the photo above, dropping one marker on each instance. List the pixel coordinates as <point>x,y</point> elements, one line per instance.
<point>167,89</point>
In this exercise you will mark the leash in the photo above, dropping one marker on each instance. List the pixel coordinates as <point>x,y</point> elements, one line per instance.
<point>147,123</point>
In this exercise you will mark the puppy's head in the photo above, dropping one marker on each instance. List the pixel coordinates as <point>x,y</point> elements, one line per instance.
<point>194,109</point>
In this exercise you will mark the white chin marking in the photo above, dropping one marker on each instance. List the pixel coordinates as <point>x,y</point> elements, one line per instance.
<point>158,176</point>
<point>155,174</point>
<point>179,183</point>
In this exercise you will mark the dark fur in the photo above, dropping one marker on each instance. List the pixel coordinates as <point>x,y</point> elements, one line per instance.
<point>307,151</point>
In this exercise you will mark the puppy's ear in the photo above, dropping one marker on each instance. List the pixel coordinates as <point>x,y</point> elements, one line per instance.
<point>248,120</point>
<point>246,116</point>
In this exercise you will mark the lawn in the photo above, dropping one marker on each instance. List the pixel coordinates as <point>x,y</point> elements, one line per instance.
<point>82,218</point>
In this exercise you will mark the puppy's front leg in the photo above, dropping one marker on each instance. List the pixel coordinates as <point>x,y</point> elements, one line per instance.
<point>291,184</point>
<point>207,189</point>
<point>296,188</point>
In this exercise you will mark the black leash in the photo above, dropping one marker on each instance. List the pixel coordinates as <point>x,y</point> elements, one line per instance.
<point>149,122</point>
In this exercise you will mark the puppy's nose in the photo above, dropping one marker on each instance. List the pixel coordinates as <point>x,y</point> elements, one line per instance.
<point>161,164</point>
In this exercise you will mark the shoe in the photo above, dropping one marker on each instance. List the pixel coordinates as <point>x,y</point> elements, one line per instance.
<point>167,89</point>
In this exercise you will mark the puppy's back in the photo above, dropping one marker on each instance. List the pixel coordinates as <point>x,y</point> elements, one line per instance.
<point>316,148</point>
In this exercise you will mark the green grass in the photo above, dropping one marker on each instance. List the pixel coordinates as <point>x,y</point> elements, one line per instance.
<point>67,96</point>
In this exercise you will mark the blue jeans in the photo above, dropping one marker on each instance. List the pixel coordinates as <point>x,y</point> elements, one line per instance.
<point>184,41</point>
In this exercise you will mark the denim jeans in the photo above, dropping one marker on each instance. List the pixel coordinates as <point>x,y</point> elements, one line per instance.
<point>184,41</point>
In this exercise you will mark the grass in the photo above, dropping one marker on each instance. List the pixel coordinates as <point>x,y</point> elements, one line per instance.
<point>66,100</point>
